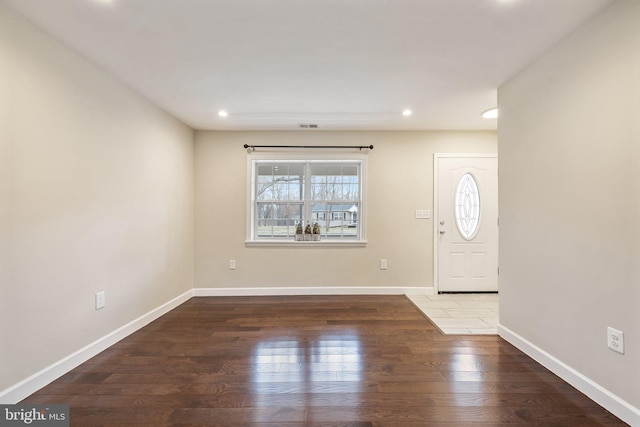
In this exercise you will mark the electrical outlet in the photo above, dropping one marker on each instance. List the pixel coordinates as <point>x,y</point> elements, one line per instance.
<point>232,264</point>
<point>423,214</point>
<point>101,300</point>
<point>615,340</point>
<point>383,264</point>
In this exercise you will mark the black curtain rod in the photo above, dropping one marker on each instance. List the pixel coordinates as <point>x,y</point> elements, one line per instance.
<point>360,147</point>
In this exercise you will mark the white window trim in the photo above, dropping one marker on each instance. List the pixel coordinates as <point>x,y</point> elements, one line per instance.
<point>313,157</point>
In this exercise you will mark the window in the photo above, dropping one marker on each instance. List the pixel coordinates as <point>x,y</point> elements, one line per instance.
<point>467,207</point>
<point>285,193</point>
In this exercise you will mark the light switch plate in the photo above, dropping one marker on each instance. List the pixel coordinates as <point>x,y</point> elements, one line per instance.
<point>423,214</point>
<point>101,300</point>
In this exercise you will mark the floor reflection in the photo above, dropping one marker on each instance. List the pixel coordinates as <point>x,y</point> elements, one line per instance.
<point>306,372</point>
<point>460,390</point>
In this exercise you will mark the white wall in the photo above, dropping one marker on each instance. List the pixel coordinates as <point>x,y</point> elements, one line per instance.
<point>569,147</point>
<point>399,179</point>
<point>96,193</point>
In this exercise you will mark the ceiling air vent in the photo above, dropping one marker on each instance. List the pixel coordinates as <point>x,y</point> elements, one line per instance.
<point>308,126</point>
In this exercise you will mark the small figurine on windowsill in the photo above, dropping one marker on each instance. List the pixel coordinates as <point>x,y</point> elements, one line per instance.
<point>307,232</point>
<point>299,236</point>
<point>316,232</point>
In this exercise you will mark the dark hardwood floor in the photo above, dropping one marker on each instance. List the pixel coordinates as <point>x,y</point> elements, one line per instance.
<point>325,361</point>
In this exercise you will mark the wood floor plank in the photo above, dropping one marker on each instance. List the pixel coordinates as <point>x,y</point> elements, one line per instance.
<point>313,361</point>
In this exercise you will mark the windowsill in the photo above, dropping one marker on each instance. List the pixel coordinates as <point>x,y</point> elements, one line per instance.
<point>292,243</point>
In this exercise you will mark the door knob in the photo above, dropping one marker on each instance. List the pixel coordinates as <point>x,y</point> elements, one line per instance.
<point>442,231</point>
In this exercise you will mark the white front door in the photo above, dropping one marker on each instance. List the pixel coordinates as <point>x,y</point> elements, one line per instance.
<point>466,223</point>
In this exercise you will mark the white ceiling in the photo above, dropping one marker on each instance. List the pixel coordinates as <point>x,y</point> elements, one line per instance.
<point>341,64</point>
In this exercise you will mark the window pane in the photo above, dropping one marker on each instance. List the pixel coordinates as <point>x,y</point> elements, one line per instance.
<point>334,174</point>
<point>280,181</point>
<point>295,190</point>
<point>350,179</point>
<point>296,169</point>
<point>349,172</point>
<point>319,191</point>
<point>350,192</point>
<point>277,219</point>
<point>295,180</point>
<point>342,181</point>
<point>318,172</point>
<point>467,207</point>
<point>265,169</point>
<point>336,219</point>
<point>264,192</point>
<point>264,182</point>
<point>280,190</point>
<point>334,190</point>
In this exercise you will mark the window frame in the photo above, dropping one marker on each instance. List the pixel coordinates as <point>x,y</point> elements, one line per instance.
<point>255,159</point>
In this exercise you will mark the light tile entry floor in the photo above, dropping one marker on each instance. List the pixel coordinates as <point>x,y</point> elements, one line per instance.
<point>460,313</point>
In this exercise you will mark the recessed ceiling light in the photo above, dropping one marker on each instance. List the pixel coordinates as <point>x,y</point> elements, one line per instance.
<point>490,114</point>
<point>222,113</point>
<point>407,113</point>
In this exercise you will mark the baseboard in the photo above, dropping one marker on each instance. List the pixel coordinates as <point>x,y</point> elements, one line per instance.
<point>310,290</point>
<point>35,382</point>
<point>603,397</point>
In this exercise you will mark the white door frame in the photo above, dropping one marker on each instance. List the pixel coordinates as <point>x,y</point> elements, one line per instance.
<point>436,210</point>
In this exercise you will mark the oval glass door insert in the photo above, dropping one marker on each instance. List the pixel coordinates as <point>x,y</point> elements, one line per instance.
<point>467,210</point>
